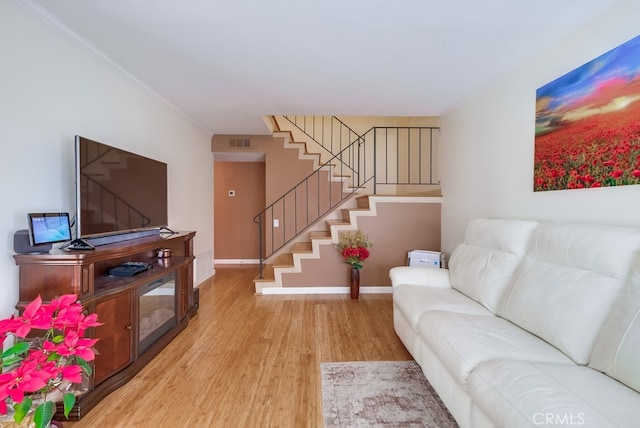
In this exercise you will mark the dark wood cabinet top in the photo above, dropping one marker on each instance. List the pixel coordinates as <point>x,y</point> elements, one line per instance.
<point>109,251</point>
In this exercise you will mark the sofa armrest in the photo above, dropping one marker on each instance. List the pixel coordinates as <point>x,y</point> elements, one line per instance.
<point>420,275</point>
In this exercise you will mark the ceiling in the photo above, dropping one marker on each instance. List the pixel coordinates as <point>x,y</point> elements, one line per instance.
<point>225,64</point>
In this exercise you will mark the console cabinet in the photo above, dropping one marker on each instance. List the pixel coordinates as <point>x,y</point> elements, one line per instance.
<point>141,314</point>
<point>115,344</point>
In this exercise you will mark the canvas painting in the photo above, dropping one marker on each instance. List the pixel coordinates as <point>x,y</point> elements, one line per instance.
<point>588,124</point>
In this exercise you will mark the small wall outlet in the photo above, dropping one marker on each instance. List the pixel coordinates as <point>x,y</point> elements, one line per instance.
<point>232,193</point>
<point>276,222</point>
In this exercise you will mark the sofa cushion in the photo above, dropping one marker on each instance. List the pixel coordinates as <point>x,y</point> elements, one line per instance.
<point>420,275</point>
<point>526,394</point>
<point>618,345</point>
<point>462,341</point>
<point>482,266</point>
<point>565,287</point>
<point>414,300</point>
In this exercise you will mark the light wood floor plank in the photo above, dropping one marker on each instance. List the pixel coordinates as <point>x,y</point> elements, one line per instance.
<point>251,361</point>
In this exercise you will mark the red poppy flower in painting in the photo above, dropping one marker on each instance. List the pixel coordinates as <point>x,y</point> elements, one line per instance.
<point>587,132</point>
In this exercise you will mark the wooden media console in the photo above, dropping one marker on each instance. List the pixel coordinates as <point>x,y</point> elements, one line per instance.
<point>141,313</point>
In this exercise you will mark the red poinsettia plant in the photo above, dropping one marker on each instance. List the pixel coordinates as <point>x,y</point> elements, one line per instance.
<point>47,352</point>
<point>354,247</point>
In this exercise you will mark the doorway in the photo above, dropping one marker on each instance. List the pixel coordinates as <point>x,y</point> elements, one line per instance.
<point>239,195</point>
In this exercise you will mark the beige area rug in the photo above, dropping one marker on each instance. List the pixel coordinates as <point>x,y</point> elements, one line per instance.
<point>380,394</point>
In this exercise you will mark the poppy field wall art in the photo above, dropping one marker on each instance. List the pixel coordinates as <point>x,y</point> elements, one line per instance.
<point>588,124</point>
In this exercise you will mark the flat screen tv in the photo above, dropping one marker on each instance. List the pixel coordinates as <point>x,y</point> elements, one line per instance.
<point>117,191</point>
<point>49,228</point>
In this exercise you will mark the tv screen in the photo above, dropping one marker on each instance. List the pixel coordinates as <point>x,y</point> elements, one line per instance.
<point>117,191</point>
<point>49,228</point>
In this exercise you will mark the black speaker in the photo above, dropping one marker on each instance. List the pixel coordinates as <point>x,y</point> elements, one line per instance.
<point>22,245</point>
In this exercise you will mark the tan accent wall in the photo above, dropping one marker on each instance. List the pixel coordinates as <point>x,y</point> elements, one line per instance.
<point>283,168</point>
<point>236,235</point>
<point>397,229</point>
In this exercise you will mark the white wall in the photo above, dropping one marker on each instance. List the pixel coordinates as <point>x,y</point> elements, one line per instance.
<point>50,90</point>
<point>487,142</point>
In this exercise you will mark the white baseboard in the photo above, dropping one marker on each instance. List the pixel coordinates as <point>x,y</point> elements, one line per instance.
<point>236,262</point>
<point>324,290</point>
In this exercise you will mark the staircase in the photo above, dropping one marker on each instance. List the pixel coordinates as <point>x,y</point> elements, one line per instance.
<point>310,248</point>
<point>345,187</point>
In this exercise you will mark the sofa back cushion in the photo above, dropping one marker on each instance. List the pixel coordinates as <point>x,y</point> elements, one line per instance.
<point>568,282</point>
<point>618,345</point>
<point>482,266</point>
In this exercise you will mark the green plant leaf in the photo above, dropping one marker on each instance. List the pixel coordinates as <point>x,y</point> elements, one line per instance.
<point>84,364</point>
<point>69,400</point>
<point>11,360</point>
<point>17,349</point>
<point>44,414</point>
<point>21,409</point>
<point>54,356</point>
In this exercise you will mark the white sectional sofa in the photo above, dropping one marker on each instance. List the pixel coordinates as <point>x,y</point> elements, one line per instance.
<point>532,325</point>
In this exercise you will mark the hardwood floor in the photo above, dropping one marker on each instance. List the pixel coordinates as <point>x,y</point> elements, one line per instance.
<point>251,361</point>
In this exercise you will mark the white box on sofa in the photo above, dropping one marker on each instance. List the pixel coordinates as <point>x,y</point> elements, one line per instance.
<point>425,258</point>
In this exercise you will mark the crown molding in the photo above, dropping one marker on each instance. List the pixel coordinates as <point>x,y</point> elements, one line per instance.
<point>53,23</point>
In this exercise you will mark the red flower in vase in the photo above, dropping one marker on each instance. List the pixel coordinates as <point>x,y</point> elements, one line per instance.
<point>354,248</point>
